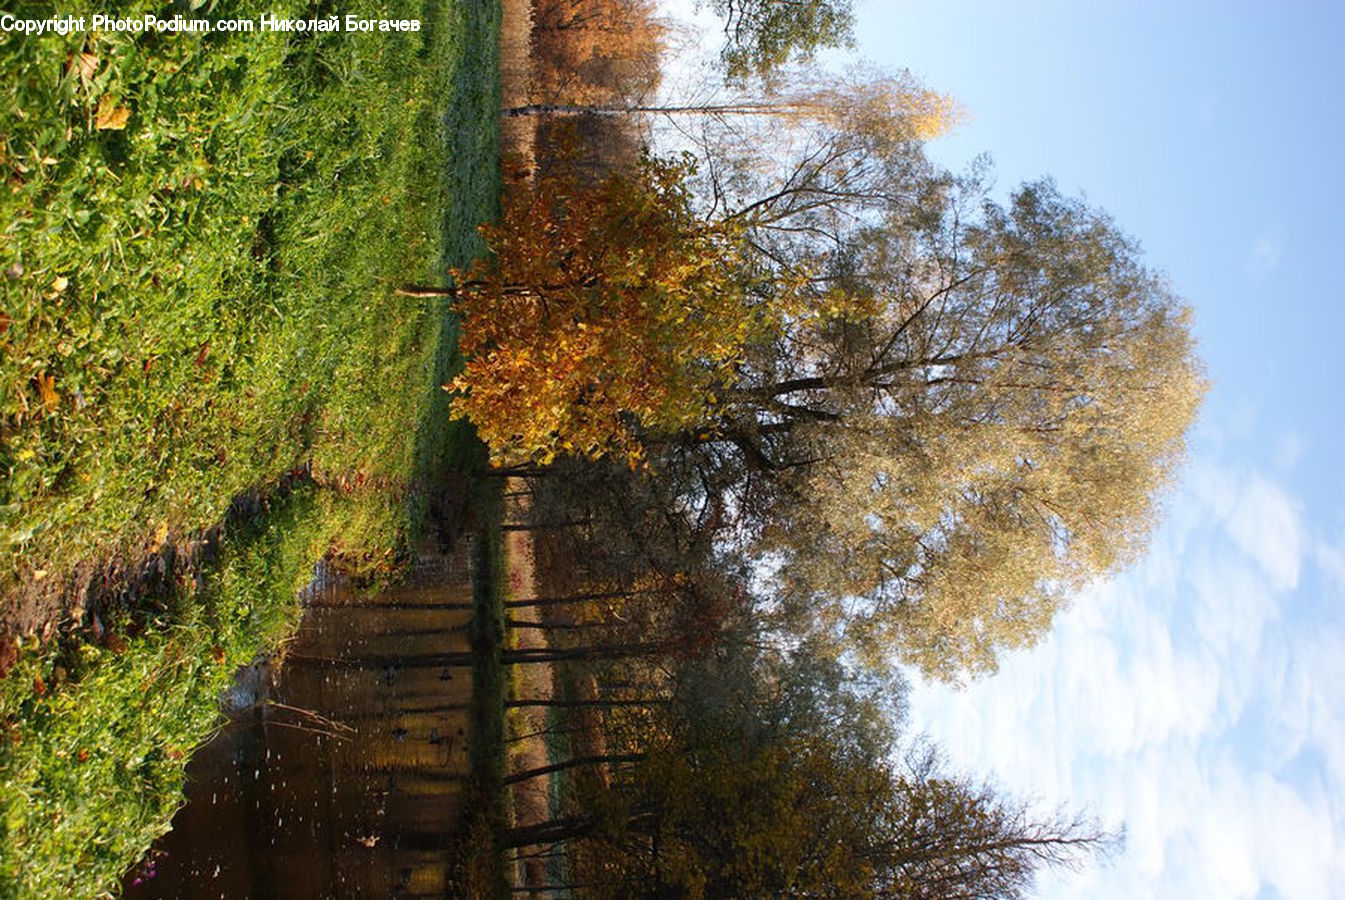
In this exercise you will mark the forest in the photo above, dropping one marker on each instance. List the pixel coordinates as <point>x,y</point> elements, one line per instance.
<point>750,411</point>
<point>794,415</point>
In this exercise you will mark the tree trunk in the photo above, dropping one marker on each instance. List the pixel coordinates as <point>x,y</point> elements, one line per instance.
<point>597,651</point>
<point>528,774</point>
<point>546,526</point>
<point>555,626</point>
<point>573,598</point>
<point>563,829</point>
<point>423,290</point>
<point>728,109</point>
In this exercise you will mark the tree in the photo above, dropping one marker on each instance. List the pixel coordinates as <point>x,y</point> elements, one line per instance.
<point>982,425</point>
<point>948,414</point>
<point>634,303</point>
<point>594,50</point>
<point>603,310</point>
<point>893,104</point>
<point>956,837</point>
<point>762,35</point>
<point>751,793</point>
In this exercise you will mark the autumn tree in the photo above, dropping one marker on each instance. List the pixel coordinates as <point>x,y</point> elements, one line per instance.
<point>621,307</point>
<point>809,98</point>
<point>776,783</point>
<point>603,310</point>
<point>946,414</point>
<point>982,425</point>
<point>593,51</point>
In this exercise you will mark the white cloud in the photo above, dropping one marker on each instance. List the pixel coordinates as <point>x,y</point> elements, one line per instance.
<point>1258,514</point>
<point>1266,526</point>
<point>1188,698</point>
<point>1231,601</point>
<point>1330,558</point>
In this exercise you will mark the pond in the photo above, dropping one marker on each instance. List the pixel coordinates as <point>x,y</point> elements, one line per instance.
<point>341,768</point>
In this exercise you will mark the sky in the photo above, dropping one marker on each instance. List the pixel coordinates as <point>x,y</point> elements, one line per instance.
<point>1196,700</point>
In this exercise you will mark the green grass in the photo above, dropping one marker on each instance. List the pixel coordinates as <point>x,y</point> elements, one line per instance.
<point>93,770</point>
<point>481,857</point>
<point>200,301</point>
<point>196,304</point>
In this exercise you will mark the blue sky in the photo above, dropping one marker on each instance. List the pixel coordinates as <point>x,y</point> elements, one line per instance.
<point>1198,699</point>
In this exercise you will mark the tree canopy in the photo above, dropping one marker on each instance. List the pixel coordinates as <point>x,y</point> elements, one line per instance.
<point>791,409</point>
<point>605,310</point>
<point>764,779</point>
<point>762,35</point>
<point>984,424</point>
<point>937,415</point>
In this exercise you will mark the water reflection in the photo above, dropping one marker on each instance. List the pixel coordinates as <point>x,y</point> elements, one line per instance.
<point>340,772</point>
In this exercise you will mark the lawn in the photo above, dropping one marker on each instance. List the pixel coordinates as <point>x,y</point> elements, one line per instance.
<point>203,236</point>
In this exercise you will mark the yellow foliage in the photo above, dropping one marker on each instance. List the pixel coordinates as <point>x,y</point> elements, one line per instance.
<point>110,117</point>
<point>606,310</point>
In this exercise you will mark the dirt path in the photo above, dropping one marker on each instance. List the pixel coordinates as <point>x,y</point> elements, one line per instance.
<point>531,803</point>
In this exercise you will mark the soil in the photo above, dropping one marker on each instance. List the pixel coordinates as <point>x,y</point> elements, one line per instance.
<point>531,804</point>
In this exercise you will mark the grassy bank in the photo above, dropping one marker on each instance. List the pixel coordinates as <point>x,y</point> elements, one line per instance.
<point>480,859</point>
<point>92,771</point>
<point>203,237</point>
<point>202,234</point>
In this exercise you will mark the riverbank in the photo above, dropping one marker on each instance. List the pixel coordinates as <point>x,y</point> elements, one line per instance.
<point>199,305</point>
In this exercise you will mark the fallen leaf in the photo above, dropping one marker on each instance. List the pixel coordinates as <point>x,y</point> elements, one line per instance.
<point>110,117</point>
<point>46,387</point>
<point>160,536</point>
<point>60,283</point>
<point>88,65</point>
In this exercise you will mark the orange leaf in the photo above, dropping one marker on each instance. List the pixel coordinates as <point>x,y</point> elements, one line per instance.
<point>109,117</point>
<point>160,536</point>
<point>46,386</point>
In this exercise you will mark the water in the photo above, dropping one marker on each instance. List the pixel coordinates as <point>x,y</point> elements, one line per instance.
<point>341,770</point>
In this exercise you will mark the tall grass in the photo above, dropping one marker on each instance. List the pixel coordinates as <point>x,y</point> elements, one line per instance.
<point>92,768</point>
<point>198,300</point>
<point>202,239</point>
